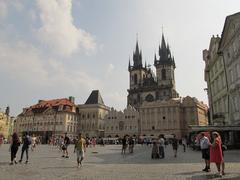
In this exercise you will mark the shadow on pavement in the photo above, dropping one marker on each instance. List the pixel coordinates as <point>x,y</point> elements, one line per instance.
<point>213,176</point>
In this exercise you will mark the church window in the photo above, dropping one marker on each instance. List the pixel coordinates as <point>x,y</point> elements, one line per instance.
<point>157,95</point>
<point>149,98</point>
<point>164,74</point>
<point>164,117</point>
<point>153,127</point>
<point>135,78</point>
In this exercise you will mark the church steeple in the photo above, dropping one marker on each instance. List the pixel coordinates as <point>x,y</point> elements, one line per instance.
<point>137,57</point>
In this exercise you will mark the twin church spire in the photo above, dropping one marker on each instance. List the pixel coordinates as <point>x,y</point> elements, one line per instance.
<point>164,52</point>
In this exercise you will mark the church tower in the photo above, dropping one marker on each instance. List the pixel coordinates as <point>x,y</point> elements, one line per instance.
<point>165,67</point>
<point>137,74</point>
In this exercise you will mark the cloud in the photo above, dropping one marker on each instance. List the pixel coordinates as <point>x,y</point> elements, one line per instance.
<point>23,62</point>
<point>57,30</point>
<point>109,70</point>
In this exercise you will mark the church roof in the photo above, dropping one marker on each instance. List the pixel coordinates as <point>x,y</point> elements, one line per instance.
<point>95,98</point>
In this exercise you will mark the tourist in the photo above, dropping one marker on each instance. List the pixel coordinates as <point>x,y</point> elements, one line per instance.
<point>80,148</point>
<point>65,146</point>
<point>161,146</point>
<point>216,154</point>
<point>1,139</point>
<point>204,145</point>
<point>155,150</point>
<point>15,143</point>
<point>124,144</point>
<point>175,145</point>
<point>34,139</point>
<point>184,143</point>
<point>131,144</point>
<point>26,142</point>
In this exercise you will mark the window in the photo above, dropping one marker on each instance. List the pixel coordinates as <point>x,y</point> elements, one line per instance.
<point>135,78</point>
<point>153,127</point>
<point>164,74</point>
<point>164,117</point>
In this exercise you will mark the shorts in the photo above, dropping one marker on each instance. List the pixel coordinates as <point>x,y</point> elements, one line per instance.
<point>80,154</point>
<point>206,154</point>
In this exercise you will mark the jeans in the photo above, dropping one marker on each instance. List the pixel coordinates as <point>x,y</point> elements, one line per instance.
<point>161,152</point>
<point>24,149</point>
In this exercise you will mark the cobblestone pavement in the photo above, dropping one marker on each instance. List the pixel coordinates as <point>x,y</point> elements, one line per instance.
<point>107,163</point>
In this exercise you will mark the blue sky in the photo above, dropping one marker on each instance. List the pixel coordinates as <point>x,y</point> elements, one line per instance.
<point>60,48</point>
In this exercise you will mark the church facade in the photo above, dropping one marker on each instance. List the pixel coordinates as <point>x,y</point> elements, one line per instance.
<point>147,86</point>
<point>154,95</point>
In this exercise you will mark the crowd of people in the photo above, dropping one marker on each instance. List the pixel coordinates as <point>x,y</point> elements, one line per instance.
<point>210,144</point>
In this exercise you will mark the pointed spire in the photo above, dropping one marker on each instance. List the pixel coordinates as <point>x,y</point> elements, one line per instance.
<point>155,59</point>
<point>163,44</point>
<point>129,64</point>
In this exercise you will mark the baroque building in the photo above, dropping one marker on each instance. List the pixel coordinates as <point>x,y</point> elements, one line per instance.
<point>5,123</point>
<point>215,76</point>
<point>147,86</point>
<point>229,49</point>
<point>49,118</point>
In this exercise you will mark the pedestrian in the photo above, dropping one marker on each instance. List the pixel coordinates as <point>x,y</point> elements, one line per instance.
<point>15,143</point>
<point>155,150</point>
<point>161,146</point>
<point>184,143</point>
<point>124,144</point>
<point>204,145</point>
<point>131,144</point>
<point>65,146</point>
<point>175,145</point>
<point>26,143</point>
<point>34,139</point>
<point>1,139</point>
<point>216,154</point>
<point>80,148</point>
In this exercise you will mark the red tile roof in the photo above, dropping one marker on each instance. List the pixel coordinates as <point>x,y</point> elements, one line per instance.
<point>52,103</point>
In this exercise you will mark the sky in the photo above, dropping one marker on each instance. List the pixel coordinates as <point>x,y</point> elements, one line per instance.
<point>59,48</point>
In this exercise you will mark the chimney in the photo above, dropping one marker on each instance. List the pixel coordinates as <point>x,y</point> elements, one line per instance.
<point>72,99</point>
<point>39,101</point>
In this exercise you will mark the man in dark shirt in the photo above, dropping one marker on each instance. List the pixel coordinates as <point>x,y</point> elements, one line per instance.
<point>65,146</point>
<point>25,147</point>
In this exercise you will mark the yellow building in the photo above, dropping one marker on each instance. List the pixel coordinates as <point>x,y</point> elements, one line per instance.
<point>4,124</point>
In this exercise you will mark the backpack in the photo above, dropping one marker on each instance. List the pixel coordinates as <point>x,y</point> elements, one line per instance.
<point>27,141</point>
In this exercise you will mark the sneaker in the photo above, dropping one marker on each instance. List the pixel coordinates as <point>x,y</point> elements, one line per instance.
<point>20,161</point>
<point>63,156</point>
<point>205,169</point>
<point>15,162</point>
<point>26,162</point>
<point>67,157</point>
<point>223,173</point>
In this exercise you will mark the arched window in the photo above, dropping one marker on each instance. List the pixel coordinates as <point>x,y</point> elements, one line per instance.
<point>135,78</point>
<point>164,74</point>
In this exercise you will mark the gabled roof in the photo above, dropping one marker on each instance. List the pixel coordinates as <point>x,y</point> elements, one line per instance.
<point>229,19</point>
<point>95,98</point>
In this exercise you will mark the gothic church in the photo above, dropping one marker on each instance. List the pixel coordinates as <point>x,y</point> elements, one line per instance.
<point>145,85</point>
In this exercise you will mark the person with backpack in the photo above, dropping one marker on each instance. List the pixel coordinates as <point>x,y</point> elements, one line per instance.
<point>26,143</point>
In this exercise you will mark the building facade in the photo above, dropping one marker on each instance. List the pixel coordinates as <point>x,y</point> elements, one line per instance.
<point>49,118</point>
<point>144,84</point>
<point>5,124</point>
<point>215,76</point>
<point>229,49</point>
<point>171,117</point>
<point>121,123</point>
<point>91,115</point>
